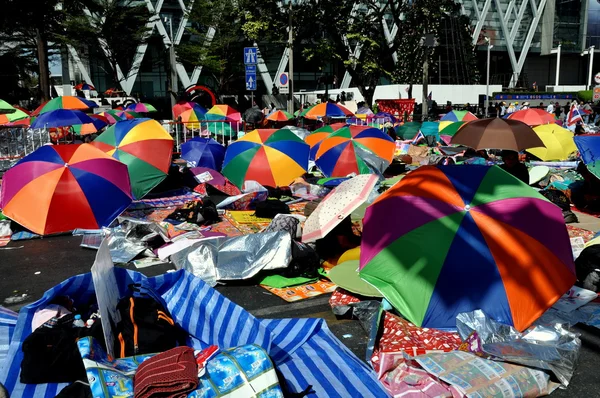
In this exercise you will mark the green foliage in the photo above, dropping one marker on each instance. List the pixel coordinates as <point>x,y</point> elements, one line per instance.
<point>585,95</point>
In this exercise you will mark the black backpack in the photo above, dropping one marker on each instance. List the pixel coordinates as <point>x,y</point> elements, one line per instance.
<point>146,325</point>
<point>270,208</point>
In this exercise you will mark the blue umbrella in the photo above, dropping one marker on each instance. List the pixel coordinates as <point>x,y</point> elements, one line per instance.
<point>61,118</point>
<point>203,152</point>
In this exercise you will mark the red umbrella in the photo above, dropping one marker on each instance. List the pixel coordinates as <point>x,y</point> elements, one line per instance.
<point>532,116</point>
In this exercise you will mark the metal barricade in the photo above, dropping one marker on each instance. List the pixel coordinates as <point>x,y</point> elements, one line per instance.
<point>222,131</point>
<point>15,143</point>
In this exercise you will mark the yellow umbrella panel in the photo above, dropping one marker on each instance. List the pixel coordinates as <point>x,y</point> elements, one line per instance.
<point>559,143</point>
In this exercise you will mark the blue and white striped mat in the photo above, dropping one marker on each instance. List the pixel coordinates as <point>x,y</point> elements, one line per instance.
<point>304,350</point>
<point>8,320</point>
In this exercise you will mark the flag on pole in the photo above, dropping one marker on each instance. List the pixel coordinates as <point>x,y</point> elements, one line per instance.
<point>430,96</point>
<point>418,138</point>
<point>574,116</point>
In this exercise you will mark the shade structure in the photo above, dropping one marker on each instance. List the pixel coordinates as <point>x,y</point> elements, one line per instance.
<point>223,112</point>
<point>316,137</point>
<point>203,152</point>
<point>452,239</point>
<point>280,116</point>
<point>65,102</point>
<point>589,149</point>
<point>337,205</point>
<point>496,133</point>
<point>458,116</point>
<point>90,128</point>
<point>60,118</point>
<point>192,117</point>
<point>144,146</point>
<point>141,107</point>
<point>328,109</point>
<point>62,187</point>
<point>269,156</point>
<point>84,86</point>
<point>408,130</point>
<point>353,149</point>
<point>11,117</point>
<point>532,116</point>
<point>558,141</point>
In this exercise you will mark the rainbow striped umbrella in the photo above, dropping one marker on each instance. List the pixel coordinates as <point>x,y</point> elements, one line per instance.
<point>192,118</point>
<point>180,107</point>
<point>144,146</point>
<point>280,116</point>
<point>5,107</point>
<point>65,102</point>
<point>269,156</point>
<point>60,118</point>
<point>458,116</point>
<point>111,116</point>
<point>90,128</point>
<point>18,114</point>
<point>328,109</point>
<point>62,187</point>
<point>141,107</point>
<point>316,137</point>
<point>452,239</point>
<point>223,112</point>
<point>346,150</point>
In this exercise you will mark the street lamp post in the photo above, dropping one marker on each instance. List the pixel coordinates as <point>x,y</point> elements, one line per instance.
<point>291,61</point>
<point>590,52</point>
<point>557,51</point>
<point>487,79</point>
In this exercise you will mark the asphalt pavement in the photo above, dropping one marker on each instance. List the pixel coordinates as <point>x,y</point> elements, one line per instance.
<point>31,267</point>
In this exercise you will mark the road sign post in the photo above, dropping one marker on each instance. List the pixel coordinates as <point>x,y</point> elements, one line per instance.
<point>250,61</point>
<point>284,83</point>
<point>250,56</point>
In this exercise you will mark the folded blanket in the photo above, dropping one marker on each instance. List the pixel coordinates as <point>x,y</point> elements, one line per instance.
<point>173,373</point>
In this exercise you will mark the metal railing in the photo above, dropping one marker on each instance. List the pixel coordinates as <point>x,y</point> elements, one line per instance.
<point>15,143</point>
<point>222,131</point>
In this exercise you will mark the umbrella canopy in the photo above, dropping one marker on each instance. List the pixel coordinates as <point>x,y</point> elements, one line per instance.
<point>21,122</point>
<point>192,118</point>
<point>204,152</point>
<point>182,106</point>
<point>458,116</point>
<point>141,107</point>
<point>11,117</point>
<point>347,150</point>
<point>496,133</point>
<point>223,112</point>
<point>128,115</point>
<point>280,116</point>
<point>60,118</point>
<point>299,131</point>
<point>532,116</point>
<point>408,130</point>
<point>222,128</point>
<point>450,128</point>
<point>589,149</point>
<point>144,146</point>
<point>558,141</point>
<point>5,107</point>
<point>253,115</point>
<point>337,205</point>
<point>270,157</point>
<point>452,239</point>
<point>59,188</point>
<point>65,102</point>
<point>328,109</point>
<point>315,138</point>
<point>303,112</point>
<point>111,116</point>
<point>90,128</point>
<point>84,86</point>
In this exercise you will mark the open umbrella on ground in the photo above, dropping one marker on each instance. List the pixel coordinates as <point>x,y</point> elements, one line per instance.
<point>85,87</point>
<point>280,116</point>
<point>270,157</point>
<point>458,116</point>
<point>144,146</point>
<point>497,133</point>
<point>223,112</point>
<point>5,107</point>
<point>589,149</point>
<point>337,205</point>
<point>315,138</point>
<point>129,115</point>
<point>203,152</point>
<point>65,102</point>
<point>328,109</point>
<point>62,187</point>
<point>141,107</point>
<point>253,115</point>
<point>558,141</point>
<point>354,149</point>
<point>408,130</point>
<point>452,239</point>
<point>90,128</point>
<point>449,130</point>
<point>532,116</point>
<point>6,118</point>
<point>192,118</point>
<point>182,106</point>
<point>61,118</point>
<point>302,112</point>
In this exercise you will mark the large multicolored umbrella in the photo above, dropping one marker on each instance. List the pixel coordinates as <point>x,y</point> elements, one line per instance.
<point>589,149</point>
<point>11,117</point>
<point>192,117</point>
<point>5,107</point>
<point>458,116</point>
<point>203,152</point>
<point>337,205</point>
<point>223,112</point>
<point>497,133</point>
<point>111,116</point>
<point>408,130</point>
<point>280,116</point>
<point>144,146</point>
<point>141,107</point>
<point>21,122</point>
<point>65,102</point>
<point>270,157</point>
<point>449,130</point>
<point>90,128</point>
<point>315,138</point>
<point>303,112</point>
<point>60,118</point>
<point>532,116</point>
<point>558,141</point>
<point>183,106</point>
<point>62,187</point>
<point>328,109</point>
<point>354,149</point>
<point>452,239</point>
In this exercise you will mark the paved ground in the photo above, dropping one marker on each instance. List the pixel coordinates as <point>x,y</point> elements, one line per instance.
<point>58,258</point>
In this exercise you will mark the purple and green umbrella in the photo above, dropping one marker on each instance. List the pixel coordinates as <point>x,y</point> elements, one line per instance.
<point>141,107</point>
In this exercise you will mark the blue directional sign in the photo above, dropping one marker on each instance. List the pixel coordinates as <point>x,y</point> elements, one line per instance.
<point>251,81</point>
<point>250,68</point>
<point>250,56</point>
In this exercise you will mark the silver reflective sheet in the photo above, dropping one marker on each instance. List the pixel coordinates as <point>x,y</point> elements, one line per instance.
<point>545,345</point>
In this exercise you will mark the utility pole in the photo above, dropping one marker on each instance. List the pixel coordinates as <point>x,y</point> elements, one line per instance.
<point>173,61</point>
<point>590,52</point>
<point>291,60</point>
<point>557,51</point>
